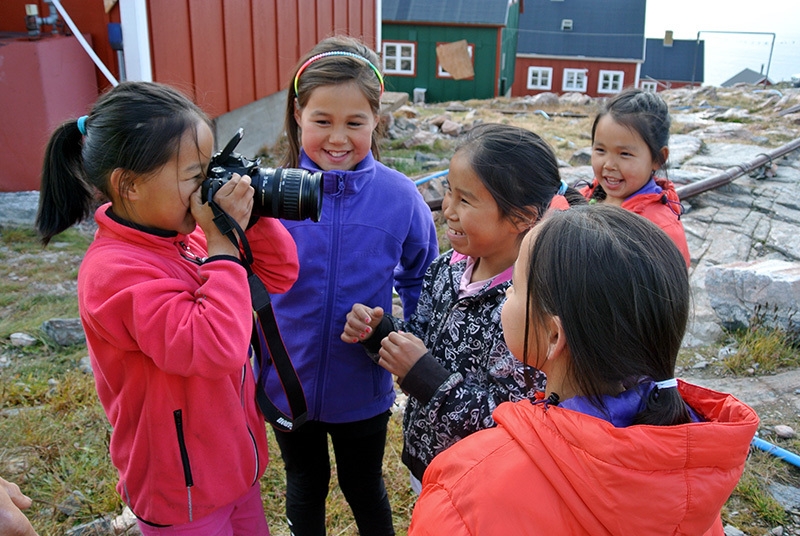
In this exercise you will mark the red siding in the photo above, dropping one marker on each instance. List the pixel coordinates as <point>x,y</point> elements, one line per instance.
<point>593,69</point>
<point>169,30</point>
<point>239,53</point>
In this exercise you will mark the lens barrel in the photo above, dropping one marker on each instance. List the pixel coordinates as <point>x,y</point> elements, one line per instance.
<point>287,193</point>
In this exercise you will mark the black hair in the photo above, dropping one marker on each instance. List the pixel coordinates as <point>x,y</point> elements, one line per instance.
<point>620,288</point>
<point>136,127</point>
<point>327,71</point>
<point>517,167</point>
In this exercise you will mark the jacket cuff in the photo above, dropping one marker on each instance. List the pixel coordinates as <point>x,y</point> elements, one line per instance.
<point>425,378</point>
<point>224,258</point>
<point>373,344</point>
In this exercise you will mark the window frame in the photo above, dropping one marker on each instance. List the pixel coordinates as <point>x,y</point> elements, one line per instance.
<point>412,45</point>
<point>584,74</point>
<point>540,70</point>
<point>649,86</point>
<point>615,86</point>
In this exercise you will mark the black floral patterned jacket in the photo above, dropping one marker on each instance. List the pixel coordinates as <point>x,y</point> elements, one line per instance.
<point>468,370</point>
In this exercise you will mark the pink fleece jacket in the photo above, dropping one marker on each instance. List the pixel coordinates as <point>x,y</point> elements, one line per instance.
<point>168,340</point>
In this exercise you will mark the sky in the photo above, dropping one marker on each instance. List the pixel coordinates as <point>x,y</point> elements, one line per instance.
<point>726,54</point>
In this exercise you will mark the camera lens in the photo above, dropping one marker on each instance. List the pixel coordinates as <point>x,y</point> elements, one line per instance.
<point>288,193</point>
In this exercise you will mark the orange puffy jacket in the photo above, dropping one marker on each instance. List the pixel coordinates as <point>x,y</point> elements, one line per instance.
<point>556,471</point>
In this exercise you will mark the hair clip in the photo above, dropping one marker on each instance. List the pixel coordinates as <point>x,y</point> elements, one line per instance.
<point>82,124</point>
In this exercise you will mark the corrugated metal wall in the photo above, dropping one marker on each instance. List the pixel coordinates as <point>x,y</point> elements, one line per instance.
<point>228,53</point>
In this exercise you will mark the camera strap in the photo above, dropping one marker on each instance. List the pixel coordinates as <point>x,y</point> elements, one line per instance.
<point>266,341</point>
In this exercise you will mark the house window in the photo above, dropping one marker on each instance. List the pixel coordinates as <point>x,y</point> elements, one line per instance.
<point>540,77</point>
<point>441,73</point>
<point>649,86</point>
<point>399,58</point>
<point>610,81</point>
<point>574,80</point>
<point>566,25</point>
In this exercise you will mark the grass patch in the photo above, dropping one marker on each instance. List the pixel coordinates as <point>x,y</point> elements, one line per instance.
<point>765,345</point>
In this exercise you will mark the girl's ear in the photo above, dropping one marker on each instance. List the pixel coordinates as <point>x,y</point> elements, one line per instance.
<point>556,339</point>
<point>297,111</point>
<point>665,154</point>
<point>121,185</point>
<point>526,224</point>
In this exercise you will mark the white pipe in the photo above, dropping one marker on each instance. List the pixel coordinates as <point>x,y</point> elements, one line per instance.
<point>136,40</point>
<point>79,36</point>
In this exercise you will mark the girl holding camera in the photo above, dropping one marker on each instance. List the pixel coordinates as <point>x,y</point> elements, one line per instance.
<point>160,292</point>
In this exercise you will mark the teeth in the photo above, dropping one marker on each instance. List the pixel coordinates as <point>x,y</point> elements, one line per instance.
<point>337,154</point>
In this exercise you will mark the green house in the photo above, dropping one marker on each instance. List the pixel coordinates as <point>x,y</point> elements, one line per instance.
<point>412,30</point>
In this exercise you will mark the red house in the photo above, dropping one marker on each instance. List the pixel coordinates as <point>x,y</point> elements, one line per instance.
<point>584,46</point>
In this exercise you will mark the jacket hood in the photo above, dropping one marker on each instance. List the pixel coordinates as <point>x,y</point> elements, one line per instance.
<point>612,477</point>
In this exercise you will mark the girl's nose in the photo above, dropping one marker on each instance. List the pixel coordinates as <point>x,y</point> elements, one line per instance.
<point>338,136</point>
<point>446,212</point>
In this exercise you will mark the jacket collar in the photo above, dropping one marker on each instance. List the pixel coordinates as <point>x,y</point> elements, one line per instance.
<point>342,181</point>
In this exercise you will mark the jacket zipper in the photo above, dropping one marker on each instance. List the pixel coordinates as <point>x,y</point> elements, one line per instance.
<point>187,469</point>
<point>247,423</point>
<point>335,230</point>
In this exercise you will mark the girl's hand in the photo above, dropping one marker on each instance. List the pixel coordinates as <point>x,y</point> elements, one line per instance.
<point>399,352</point>
<point>361,322</point>
<point>235,197</point>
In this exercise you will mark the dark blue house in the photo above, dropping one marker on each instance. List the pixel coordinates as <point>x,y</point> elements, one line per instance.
<point>672,63</point>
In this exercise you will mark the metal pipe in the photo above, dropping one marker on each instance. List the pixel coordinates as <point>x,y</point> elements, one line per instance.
<point>727,176</point>
<point>697,45</point>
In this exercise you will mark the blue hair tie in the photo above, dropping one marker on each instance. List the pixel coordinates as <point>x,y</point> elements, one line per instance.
<point>563,188</point>
<point>82,124</point>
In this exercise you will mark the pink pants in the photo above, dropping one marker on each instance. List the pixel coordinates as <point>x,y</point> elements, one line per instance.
<point>242,517</point>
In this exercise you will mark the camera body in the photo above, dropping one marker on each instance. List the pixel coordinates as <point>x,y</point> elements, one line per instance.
<point>288,193</point>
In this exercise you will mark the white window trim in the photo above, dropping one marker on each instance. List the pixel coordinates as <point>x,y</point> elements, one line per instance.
<point>399,58</point>
<point>615,87</point>
<point>441,73</point>
<point>566,25</point>
<point>548,70</point>
<point>584,75</point>
<point>649,86</point>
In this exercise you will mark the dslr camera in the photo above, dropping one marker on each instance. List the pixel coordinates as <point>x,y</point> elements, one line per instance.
<point>288,193</point>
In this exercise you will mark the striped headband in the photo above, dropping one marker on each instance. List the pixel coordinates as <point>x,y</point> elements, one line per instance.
<point>312,59</point>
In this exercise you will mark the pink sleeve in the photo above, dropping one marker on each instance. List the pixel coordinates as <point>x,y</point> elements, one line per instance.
<point>274,253</point>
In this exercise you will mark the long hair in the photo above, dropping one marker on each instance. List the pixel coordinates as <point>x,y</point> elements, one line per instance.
<point>136,127</point>
<point>329,71</point>
<point>620,287</point>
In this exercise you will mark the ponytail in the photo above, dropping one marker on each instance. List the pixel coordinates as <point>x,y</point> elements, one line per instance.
<point>664,407</point>
<point>65,197</point>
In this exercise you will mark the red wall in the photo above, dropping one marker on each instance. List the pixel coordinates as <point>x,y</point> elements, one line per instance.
<point>223,53</point>
<point>594,67</point>
<point>228,53</point>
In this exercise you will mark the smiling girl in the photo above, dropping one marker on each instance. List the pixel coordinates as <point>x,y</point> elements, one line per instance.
<point>375,233</point>
<point>450,356</point>
<point>630,138</point>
